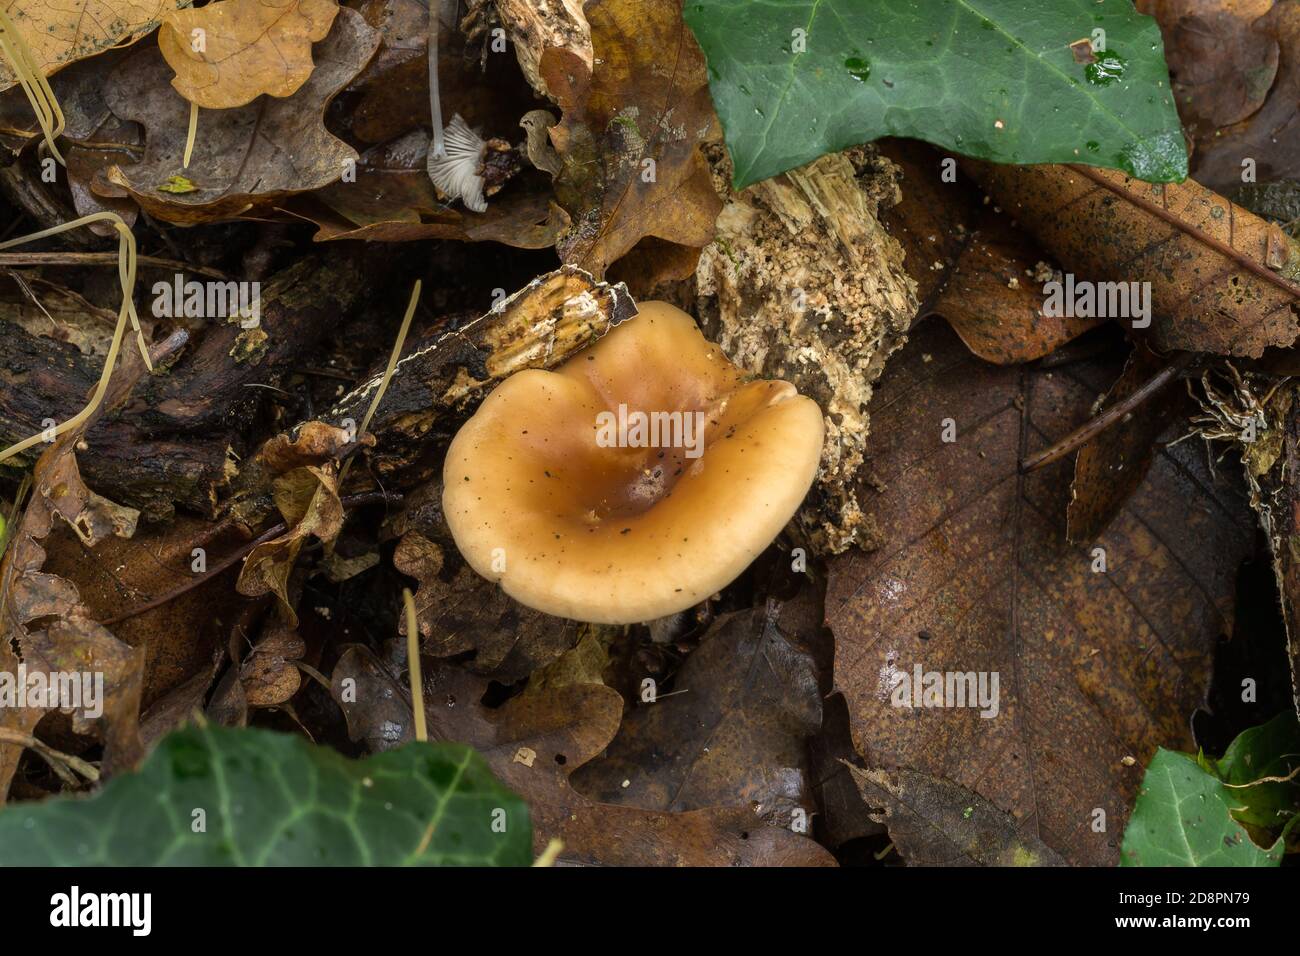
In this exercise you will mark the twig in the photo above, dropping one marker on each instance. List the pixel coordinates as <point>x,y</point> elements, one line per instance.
<point>388,370</point>
<point>549,855</point>
<point>101,259</point>
<point>52,756</point>
<point>1099,423</point>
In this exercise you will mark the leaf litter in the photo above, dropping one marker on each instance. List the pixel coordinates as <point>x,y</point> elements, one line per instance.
<point>1052,510</point>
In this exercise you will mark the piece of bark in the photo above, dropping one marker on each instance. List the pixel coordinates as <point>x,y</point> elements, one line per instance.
<point>534,25</point>
<point>804,284</point>
<point>539,326</point>
<point>167,446</point>
<point>1272,466</point>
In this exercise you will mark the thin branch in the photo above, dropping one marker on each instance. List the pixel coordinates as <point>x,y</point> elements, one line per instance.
<point>1099,423</point>
<point>54,758</point>
<point>101,259</point>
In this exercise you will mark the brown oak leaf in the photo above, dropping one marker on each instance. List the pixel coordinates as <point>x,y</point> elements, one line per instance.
<point>230,52</point>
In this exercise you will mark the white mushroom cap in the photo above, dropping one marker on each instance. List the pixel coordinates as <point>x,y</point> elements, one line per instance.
<point>617,535</point>
<point>457,172</point>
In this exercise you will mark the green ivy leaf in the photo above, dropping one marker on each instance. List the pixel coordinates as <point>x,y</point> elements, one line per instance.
<point>275,799</point>
<point>993,79</point>
<point>1269,750</point>
<point>1183,818</point>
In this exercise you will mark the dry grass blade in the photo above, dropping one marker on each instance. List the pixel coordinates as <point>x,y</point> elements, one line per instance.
<point>32,79</point>
<point>126,266</point>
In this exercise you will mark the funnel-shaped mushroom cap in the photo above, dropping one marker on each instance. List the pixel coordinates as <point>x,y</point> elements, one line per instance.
<point>595,492</point>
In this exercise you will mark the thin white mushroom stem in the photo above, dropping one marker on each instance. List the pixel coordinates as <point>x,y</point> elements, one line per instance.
<point>126,270</point>
<point>49,116</point>
<point>437,146</point>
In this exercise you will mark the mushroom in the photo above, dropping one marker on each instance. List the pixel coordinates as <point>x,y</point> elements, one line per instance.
<point>633,481</point>
<point>456,171</point>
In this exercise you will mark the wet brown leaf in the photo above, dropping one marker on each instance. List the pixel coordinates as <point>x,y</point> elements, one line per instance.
<point>1111,466</point>
<point>245,158</point>
<point>976,577</point>
<point>970,264</point>
<point>1271,136</point>
<point>250,47</point>
<point>1201,299</point>
<point>630,134</point>
<point>1220,68</point>
<point>533,743</point>
<point>732,730</point>
<point>934,822</point>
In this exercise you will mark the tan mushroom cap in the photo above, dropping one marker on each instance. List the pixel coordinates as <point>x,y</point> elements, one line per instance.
<point>618,535</point>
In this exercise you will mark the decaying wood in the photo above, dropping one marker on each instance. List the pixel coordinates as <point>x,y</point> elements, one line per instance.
<point>170,444</point>
<point>540,326</point>
<point>534,25</point>
<point>1272,467</point>
<point>804,284</point>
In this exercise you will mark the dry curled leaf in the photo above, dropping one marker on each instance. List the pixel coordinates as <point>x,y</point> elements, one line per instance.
<point>1101,225</point>
<point>46,624</point>
<point>228,53</point>
<point>630,135</point>
<point>307,498</point>
<point>64,32</point>
<point>245,158</point>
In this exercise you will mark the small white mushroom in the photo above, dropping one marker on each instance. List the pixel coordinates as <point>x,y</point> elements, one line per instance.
<point>456,173</point>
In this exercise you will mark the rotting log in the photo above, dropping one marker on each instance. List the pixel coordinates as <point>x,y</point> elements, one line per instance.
<point>168,445</point>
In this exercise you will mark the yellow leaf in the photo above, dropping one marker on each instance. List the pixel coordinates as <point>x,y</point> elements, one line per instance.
<point>232,51</point>
<point>178,184</point>
<point>60,32</point>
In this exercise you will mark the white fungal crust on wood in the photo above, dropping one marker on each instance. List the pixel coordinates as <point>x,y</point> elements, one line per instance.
<point>803,283</point>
